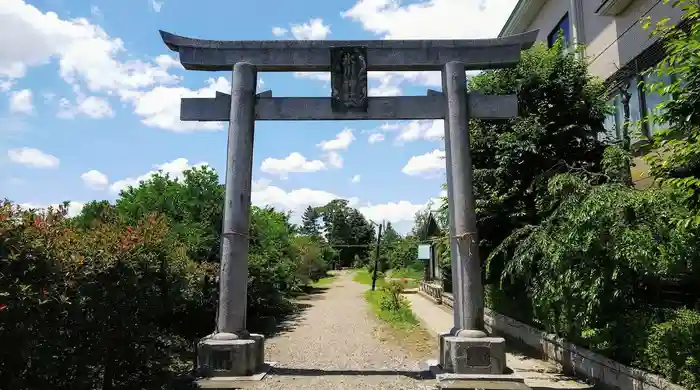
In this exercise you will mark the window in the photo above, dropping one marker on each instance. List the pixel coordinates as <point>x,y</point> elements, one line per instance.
<point>653,99</point>
<point>613,122</point>
<point>635,110</point>
<point>642,103</point>
<point>561,28</point>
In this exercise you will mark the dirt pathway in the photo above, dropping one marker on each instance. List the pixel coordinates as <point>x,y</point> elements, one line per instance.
<point>333,346</point>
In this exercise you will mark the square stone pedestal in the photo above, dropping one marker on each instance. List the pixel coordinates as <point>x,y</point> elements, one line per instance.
<point>474,363</point>
<point>462,355</point>
<point>231,358</point>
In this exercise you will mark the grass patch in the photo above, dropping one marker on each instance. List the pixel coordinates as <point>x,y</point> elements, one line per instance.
<point>363,276</point>
<point>388,304</point>
<point>406,273</point>
<point>398,323</point>
<point>323,281</point>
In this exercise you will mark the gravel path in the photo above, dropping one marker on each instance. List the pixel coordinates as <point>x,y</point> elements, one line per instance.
<point>333,346</point>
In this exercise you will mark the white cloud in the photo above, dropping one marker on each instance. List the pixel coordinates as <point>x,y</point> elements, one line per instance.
<point>95,11</point>
<point>295,162</point>
<point>21,102</point>
<point>92,106</point>
<point>334,159</point>
<point>427,19</point>
<point>173,168</point>
<point>331,147</point>
<point>318,76</point>
<point>407,131</point>
<point>428,165</point>
<point>95,180</point>
<point>314,29</point>
<point>388,86</point>
<point>85,53</point>
<point>160,107</point>
<point>431,130</point>
<point>296,200</point>
<point>32,157</point>
<point>375,138</point>
<point>74,208</point>
<point>393,212</point>
<point>166,61</point>
<point>355,179</point>
<point>263,194</point>
<point>156,5</point>
<point>341,141</point>
<point>279,31</point>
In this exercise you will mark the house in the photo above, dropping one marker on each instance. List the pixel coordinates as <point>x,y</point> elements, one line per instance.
<point>617,47</point>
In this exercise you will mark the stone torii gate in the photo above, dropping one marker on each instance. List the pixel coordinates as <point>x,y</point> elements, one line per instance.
<point>231,351</point>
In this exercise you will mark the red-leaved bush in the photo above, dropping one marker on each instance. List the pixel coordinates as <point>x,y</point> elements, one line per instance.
<point>108,307</point>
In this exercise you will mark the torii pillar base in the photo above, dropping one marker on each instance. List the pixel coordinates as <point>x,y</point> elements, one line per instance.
<point>473,363</point>
<point>223,363</point>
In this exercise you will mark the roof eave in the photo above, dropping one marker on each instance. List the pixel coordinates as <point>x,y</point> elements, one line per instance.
<point>517,21</point>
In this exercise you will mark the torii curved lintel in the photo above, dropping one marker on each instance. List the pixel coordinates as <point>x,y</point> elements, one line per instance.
<point>175,42</point>
<point>382,55</point>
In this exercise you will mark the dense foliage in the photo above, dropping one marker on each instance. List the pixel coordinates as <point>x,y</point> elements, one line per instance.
<point>343,228</point>
<point>109,307</point>
<point>569,245</point>
<point>676,161</point>
<point>116,296</point>
<point>561,114</point>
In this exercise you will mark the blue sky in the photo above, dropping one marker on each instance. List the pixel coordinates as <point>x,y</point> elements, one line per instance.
<point>89,100</point>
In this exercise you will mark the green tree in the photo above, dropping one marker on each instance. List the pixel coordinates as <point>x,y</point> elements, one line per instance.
<point>111,304</point>
<point>310,222</point>
<point>390,236</point>
<point>95,212</point>
<point>561,114</point>
<point>193,206</point>
<point>588,266</point>
<point>676,160</point>
<point>425,225</point>
<point>347,229</point>
<point>404,254</point>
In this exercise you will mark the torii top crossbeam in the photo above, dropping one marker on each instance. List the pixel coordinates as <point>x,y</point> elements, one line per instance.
<point>381,55</point>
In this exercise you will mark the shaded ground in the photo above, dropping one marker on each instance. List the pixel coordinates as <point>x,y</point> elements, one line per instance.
<point>538,374</point>
<point>336,343</point>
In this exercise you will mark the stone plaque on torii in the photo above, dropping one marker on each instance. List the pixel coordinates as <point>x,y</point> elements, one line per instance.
<point>467,354</point>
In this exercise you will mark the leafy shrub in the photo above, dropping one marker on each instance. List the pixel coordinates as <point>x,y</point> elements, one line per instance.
<point>673,349</point>
<point>100,308</point>
<point>391,299</point>
<point>390,306</point>
<point>676,161</point>
<point>272,265</point>
<point>311,263</point>
<point>193,209</point>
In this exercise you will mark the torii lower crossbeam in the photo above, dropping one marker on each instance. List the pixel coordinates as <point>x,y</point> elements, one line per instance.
<point>268,108</point>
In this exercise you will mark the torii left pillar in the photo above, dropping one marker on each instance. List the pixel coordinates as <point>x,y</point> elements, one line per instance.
<point>231,351</point>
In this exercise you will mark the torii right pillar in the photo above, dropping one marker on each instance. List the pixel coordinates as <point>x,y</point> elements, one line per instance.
<point>466,352</point>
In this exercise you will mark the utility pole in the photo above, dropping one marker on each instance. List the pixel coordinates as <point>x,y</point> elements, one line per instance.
<point>376,257</point>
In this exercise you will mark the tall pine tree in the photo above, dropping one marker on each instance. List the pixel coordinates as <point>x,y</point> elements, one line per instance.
<point>309,222</point>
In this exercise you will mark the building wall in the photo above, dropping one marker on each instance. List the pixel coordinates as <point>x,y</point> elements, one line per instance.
<point>548,17</point>
<point>612,41</point>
